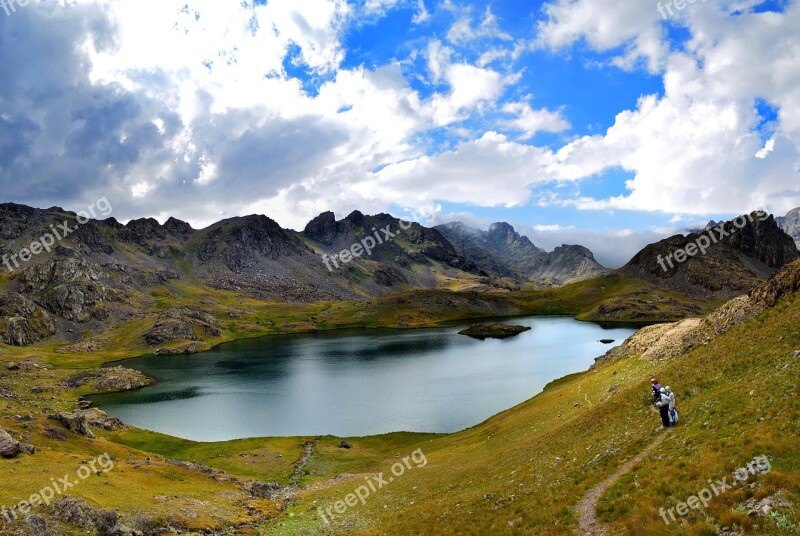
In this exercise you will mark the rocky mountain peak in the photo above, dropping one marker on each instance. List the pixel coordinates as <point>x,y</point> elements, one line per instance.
<point>322,228</point>
<point>737,258</point>
<point>177,227</point>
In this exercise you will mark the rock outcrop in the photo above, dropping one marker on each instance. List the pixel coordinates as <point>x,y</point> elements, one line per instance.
<point>108,379</point>
<point>740,259</point>
<point>493,330</point>
<point>22,322</point>
<point>71,288</point>
<point>182,325</point>
<point>80,514</point>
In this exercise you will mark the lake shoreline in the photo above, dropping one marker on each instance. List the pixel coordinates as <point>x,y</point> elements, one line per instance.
<point>451,367</point>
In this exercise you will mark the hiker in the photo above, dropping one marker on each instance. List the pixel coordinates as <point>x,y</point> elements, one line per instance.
<point>673,413</point>
<point>656,390</point>
<point>663,407</point>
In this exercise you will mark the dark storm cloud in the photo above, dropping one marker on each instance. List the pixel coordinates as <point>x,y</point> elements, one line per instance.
<point>64,140</point>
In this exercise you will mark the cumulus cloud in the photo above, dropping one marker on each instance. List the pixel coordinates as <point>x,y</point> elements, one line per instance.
<point>698,149</point>
<point>529,121</point>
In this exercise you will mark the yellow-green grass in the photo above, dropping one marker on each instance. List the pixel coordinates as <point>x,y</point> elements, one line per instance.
<point>138,482</point>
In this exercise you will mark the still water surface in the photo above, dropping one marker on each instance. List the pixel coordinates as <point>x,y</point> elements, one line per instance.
<point>355,382</point>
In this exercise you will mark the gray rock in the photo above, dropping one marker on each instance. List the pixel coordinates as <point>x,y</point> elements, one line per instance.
<point>74,421</point>
<point>27,448</point>
<point>75,512</point>
<point>55,433</point>
<point>180,324</point>
<point>37,526</point>
<point>265,490</point>
<point>22,322</point>
<point>71,288</point>
<point>9,447</point>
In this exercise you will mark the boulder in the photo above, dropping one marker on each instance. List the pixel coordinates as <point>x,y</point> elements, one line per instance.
<point>75,512</point>
<point>265,490</point>
<point>37,526</point>
<point>9,447</point>
<point>27,449</point>
<point>100,419</point>
<point>345,445</point>
<point>55,433</point>
<point>75,421</point>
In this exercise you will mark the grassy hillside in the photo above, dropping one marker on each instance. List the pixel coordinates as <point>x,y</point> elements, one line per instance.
<point>525,470</point>
<point>521,472</point>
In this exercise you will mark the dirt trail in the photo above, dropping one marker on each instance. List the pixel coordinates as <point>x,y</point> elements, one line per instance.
<point>588,523</point>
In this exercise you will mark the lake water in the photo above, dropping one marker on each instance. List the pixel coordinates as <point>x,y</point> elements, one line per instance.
<point>356,382</point>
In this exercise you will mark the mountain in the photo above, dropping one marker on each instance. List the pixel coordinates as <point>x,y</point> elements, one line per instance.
<point>791,224</point>
<point>68,275</point>
<point>728,259</point>
<point>502,252</point>
<point>174,287</point>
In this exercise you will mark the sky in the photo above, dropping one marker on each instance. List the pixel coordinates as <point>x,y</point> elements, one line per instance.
<point>596,122</point>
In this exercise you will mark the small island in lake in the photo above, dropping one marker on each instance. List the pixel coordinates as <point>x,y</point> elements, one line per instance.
<point>493,330</point>
<point>606,341</point>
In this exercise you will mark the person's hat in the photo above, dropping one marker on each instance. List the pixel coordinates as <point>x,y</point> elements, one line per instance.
<point>663,390</point>
<point>654,381</point>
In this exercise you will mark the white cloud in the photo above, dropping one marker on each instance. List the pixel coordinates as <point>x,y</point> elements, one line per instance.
<point>768,148</point>
<point>552,228</point>
<point>606,25</point>
<point>422,15</point>
<point>529,121</point>
<point>462,31</point>
<point>697,150</point>
<point>490,171</point>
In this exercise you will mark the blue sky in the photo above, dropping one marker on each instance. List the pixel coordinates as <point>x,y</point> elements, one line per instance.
<point>578,121</point>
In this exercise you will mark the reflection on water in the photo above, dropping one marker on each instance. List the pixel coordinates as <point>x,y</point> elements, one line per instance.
<point>355,382</point>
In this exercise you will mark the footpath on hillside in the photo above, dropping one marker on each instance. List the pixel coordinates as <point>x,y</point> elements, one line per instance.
<point>587,508</point>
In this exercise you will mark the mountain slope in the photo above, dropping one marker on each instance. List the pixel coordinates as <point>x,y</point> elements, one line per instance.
<point>503,252</point>
<point>737,257</point>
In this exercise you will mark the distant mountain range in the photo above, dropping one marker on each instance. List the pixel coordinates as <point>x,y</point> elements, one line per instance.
<point>105,274</point>
<point>502,252</point>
